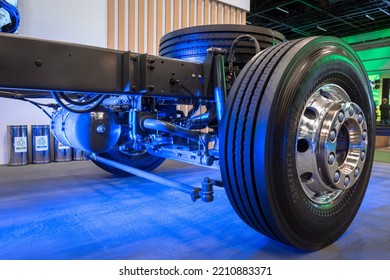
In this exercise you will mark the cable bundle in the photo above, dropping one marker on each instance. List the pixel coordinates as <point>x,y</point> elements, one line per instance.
<point>11,27</point>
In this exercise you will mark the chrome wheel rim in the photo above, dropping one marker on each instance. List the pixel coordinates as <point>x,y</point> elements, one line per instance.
<point>331,145</point>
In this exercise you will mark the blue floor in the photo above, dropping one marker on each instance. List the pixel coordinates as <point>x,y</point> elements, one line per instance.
<point>78,211</point>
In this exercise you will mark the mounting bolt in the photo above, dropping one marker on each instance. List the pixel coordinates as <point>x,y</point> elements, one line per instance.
<point>351,110</point>
<point>360,118</point>
<point>341,116</point>
<point>363,155</point>
<point>331,159</point>
<point>336,177</point>
<point>332,135</point>
<point>357,172</point>
<point>38,63</point>
<point>100,129</point>
<point>346,181</point>
<point>173,81</point>
<point>364,135</point>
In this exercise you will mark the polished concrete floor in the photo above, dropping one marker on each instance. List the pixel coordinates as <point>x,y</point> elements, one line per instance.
<point>77,211</point>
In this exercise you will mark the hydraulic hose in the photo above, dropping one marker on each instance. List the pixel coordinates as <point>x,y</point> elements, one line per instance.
<point>13,26</point>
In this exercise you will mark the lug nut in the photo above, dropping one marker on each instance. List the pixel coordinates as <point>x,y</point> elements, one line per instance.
<point>332,135</point>
<point>346,181</point>
<point>351,110</point>
<point>331,159</point>
<point>341,116</point>
<point>336,177</point>
<point>360,118</point>
<point>357,172</point>
<point>364,135</point>
<point>363,155</point>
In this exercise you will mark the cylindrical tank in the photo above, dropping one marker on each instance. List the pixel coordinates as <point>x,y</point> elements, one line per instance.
<point>40,139</point>
<point>62,153</point>
<point>93,132</point>
<point>18,145</point>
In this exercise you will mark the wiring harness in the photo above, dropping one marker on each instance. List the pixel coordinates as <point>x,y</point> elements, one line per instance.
<point>11,27</point>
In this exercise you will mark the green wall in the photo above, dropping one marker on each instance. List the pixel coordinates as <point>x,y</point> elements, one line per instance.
<point>376,60</point>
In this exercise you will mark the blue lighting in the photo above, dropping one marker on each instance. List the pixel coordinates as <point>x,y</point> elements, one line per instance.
<point>193,48</point>
<point>11,27</point>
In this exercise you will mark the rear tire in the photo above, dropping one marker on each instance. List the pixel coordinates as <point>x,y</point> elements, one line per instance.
<point>143,161</point>
<point>280,115</point>
<point>191,43</point>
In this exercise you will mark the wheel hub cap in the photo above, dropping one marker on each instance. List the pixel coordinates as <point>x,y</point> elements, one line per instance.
<point>331,144</point>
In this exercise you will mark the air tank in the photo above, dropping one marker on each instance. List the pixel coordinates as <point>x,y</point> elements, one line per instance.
<point>93,132</point>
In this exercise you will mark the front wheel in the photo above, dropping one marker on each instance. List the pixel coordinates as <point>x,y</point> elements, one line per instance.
<point>298,141</point>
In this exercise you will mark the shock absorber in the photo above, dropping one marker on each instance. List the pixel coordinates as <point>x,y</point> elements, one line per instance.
<point>142,109</point>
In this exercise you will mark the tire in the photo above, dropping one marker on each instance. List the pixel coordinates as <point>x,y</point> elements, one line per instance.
<point>288,103</point>
<point>191,43</point>
<point>143,161</point>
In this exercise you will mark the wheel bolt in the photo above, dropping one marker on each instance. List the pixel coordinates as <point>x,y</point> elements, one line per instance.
<point>364,135</point>
<point>332,135</point>
<point>341,116</point>
<point>351,110</point>
<point>336,177</point>
<point>360,118</point>
<point>346,181</point>
<point>331,159</point>
<point>357,172</point>
<point>363,155</point>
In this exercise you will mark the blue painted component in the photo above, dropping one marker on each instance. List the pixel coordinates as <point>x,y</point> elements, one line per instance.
<point>219,101</point>
<point>13,26</point>
<point>220,85</point>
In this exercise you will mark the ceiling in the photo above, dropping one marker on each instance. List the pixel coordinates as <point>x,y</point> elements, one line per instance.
<point>303,18</point>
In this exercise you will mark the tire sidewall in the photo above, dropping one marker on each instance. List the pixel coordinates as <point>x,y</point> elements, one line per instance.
<point>310,67</point>
<point>143,161</point>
